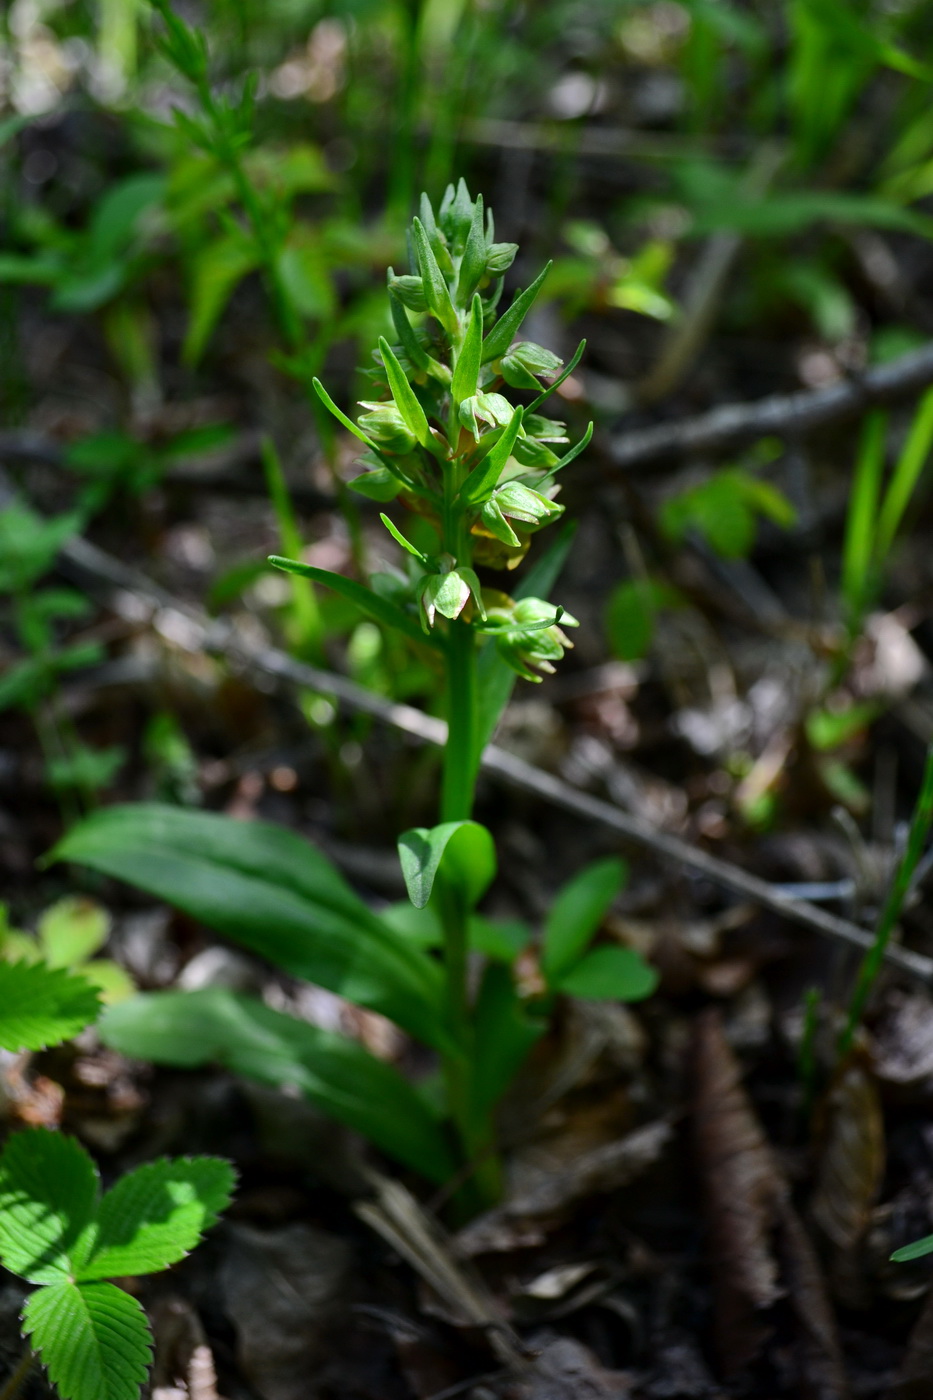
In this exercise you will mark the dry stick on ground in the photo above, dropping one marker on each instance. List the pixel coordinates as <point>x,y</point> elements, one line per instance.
<point>132,595</point>
<point>779,415</point>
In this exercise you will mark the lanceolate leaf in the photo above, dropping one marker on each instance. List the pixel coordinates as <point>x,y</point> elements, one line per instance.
<point>609,974</point>
<point>406,400</point>
<point>504,331</point>
<point>577,913</point>
<point>337,1074</point>
<point>483,477</point>
<point>268,889</point>
<point>436,290</point>
<point>378,608</point>
<point>93,1338</point>
<point>155,1215</point>
<point>466,372</point>
<point>40,1006</point>
<point>48,1191</point>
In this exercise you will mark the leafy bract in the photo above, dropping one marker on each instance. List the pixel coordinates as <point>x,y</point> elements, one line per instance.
<point>373,604</point>
<point>271,891</point>
<point>576,914</point>
<point>48,1191</point>
<point>93,1338</point>
<point>610,973</point>
<point>337,1074</point>
<point>42,1006</point>
<point>155,1215</point>
<point>461,853</point>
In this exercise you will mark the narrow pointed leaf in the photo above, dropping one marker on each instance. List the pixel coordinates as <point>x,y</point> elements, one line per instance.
<point>41,1006</point>
<point>406,334</point>
<point>565,373</point>
<point>473,263</point>
<point>216,1026</point>
<point>466,372</point>
<point>155,1215</point>
<point>400,539</point>
<point>571,456</point>
<point>341,417</point>
<point>48,1192</point>
<point>93,1339</point>
<point>271,891</point>
<point>504,331</point>
<point>378,608</point>
<point>404,395</point>
<point>482,479</point>
<point>436,290</point>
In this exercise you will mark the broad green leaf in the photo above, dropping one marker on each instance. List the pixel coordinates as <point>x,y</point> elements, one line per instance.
<point>156,1214</point>
<point>373,604</point>
<point>466,371</point>
<point>482,479</point>
<point>913,1251</point>
<point>72,929</point>
<point>332,1071</point>
<point>462,853</point>
<point>42,1006</point>
<point>576,914</point>
<point>48,1191</point>
<point>504,331</point>
<point>271,891</point>
<point>406,400</point>
<point>93,1338</point>
<point>609,974</point>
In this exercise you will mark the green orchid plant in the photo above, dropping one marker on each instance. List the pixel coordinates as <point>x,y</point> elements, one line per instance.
<point>444,441</point>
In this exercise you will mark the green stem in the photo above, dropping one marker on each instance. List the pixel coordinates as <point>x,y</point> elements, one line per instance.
<point>460,757</point>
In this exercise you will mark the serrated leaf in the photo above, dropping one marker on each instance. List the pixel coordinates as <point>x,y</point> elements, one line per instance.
<point>48,1191</point>
<point>93,1339</point>
<point>609,974</point>
<point>155,1215</point>
<point>42,1006</point>
<point>216,1026</point>
<point>577,913</point>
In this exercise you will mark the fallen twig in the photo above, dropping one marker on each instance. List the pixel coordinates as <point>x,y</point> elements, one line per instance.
<point>779,415</point>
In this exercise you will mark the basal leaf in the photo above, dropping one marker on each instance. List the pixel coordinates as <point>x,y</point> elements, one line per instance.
<point>266,888</point>
<point>333,1072</point>
<point>155,1215</point>
<point>577,913</point>
<point>48,1191</point>
<point>93,1339</point>
<point>609,974</point>
<point>42,1006</point>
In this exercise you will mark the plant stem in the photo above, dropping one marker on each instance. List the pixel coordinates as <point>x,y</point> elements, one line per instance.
<point>15,1382</point>
<point>460,757</point>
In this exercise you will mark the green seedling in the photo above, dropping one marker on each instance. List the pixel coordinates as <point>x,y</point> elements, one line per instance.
<point>60,1234</point>
<point>68,934</point>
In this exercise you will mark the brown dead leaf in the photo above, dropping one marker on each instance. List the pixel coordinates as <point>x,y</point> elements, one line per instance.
<point>851,1156</point>
<point>822,1374</point>
<point>744,1197</point>
<point>547,1192</point>
<point>564,1369</point>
